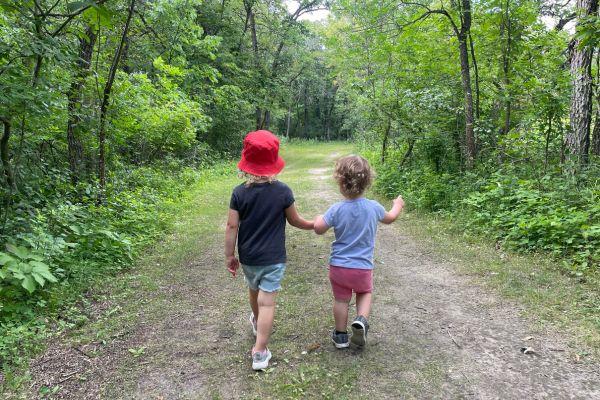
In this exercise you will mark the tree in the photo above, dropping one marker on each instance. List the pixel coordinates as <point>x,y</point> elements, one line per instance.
<point>577,140</point>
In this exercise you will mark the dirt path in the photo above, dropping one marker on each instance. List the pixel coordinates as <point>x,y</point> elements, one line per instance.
<point>182,332</point>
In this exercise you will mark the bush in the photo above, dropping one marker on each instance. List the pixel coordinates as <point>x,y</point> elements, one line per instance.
<point>539,215</point>
<point>56,242</point>
<point>551,213</point>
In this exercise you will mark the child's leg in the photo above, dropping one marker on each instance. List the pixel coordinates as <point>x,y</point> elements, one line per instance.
<point>363,304</point>
<point>340,314</point>
<point>266,313</point>
<point>253,296</point>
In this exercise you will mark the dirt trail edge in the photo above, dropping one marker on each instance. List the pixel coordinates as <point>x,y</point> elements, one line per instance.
<point>434,334</point>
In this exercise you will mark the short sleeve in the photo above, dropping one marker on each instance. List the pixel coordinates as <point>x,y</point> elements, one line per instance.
<point>379,210</point>
<point>288,197</point>
<point>329,216</point>
<point>234,202</point>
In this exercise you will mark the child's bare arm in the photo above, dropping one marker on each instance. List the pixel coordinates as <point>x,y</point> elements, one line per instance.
<point>292,216</point>
<point>320,225</point>
<point>231,232</point>
<point>391,215</point>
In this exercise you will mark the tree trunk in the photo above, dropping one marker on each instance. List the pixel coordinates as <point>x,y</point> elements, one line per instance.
<point>476,70</point>
<point>408,154</point>
<point>506,29</point>
<point>465,73</point>
<point>4,156</point>
<point>596,135</point>
<point>267,120</point>
<point>305,125</point>
<point>470,149</point>
<point>386,135</point>
<point>577,141</point>
<point>75,148</point>
<point>330,112</point>
<point>252,22</point>
<point>104,106</point>
<point>288,119</point>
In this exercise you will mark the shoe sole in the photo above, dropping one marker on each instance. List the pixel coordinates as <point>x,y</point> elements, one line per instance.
<point>340,345</point>
<point>358,334</point>
<point>261,365</point>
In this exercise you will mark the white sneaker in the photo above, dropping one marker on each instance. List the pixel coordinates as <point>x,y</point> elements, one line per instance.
<point>260,360</point>
<point>253,323</point>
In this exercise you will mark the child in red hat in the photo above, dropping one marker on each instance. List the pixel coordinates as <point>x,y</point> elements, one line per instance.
<point>258,212</point>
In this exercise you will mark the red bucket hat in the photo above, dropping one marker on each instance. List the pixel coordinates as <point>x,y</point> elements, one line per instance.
<point>260,155</point>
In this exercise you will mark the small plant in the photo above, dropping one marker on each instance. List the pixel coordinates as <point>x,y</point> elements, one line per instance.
<point>23,268</point>
<point>137,352</point>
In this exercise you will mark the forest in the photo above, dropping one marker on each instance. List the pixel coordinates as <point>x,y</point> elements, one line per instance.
<point>486,113</point>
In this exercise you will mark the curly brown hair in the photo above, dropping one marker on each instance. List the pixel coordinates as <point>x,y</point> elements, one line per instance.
<point>354,175</point>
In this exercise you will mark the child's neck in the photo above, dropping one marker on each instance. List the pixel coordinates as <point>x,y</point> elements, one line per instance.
<point>354,197</point>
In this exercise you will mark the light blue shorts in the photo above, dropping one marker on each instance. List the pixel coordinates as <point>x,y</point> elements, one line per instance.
<point>265,277</point>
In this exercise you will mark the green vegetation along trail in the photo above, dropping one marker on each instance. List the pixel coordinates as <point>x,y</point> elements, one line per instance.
<point>176,326</point>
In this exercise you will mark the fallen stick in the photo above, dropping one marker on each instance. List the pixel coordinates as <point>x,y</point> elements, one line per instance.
<point>451,337</point>
<point>68,376</point>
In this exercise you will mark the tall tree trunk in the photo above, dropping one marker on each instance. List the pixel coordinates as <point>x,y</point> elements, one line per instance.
<point>4,156</point>
<point>596,135</point>
<point>470,149</point>
<point>252,21</point>
<point>288,119</point>
<point>408,154</point>
<point>305,127</point>
<point>506,49</point>
<point>577,140</point>
<point>329,111</point>
<point>462,35</point>
<point>104,106</point>
<point>75,148</point>
<point>266,123</point>
<point>386,136</point>
<point>476,70</point>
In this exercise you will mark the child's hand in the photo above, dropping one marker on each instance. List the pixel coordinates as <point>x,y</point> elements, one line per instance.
<point>232,265</point>
<point>399,201</point>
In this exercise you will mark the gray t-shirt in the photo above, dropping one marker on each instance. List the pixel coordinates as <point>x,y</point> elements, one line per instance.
<point>261,235</point>
<point>354,223</point>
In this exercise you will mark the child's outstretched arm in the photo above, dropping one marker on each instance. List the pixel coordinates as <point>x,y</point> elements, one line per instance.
<point>320,225</point>
<point>391,215</point>
<point>231,232</point>
<point>292,216</point>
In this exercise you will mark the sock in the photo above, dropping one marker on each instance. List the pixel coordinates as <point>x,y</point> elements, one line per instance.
<point>338,332</point>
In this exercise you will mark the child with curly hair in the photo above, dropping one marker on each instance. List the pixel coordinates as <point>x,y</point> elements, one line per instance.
<point>258,211</point>
<point>354,222</point>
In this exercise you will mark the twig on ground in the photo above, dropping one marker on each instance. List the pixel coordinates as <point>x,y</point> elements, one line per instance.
<point>451,337</point>
<point>68,376</point>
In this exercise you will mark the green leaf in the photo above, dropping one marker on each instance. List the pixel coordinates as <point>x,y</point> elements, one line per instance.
<point>29,284</point>
<point>5,259</point>
<point>45,273</point>
<point>38,278</point>
<point>18,251</point>
<point>78,5</point>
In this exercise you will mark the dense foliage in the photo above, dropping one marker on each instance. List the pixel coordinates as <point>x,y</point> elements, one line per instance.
<point>110,109</point>
<point>472,110</point>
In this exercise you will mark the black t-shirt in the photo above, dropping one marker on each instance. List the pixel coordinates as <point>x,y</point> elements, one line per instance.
<point>261,235</point>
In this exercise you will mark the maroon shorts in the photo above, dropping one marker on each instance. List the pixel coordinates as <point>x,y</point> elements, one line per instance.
<point>344,281</point>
